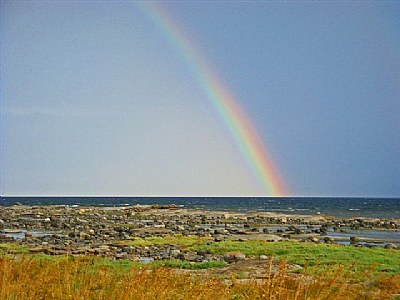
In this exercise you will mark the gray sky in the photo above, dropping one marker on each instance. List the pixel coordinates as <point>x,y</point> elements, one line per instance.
<point>97,101</point>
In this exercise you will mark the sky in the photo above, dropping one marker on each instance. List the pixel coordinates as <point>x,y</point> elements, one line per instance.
<point>97,98</point>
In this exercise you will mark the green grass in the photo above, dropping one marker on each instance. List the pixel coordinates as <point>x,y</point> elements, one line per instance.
<point>385,260</point>
<point>170,263</point>
<point>113,264</point>
<point>180,264</point>
<point>8,248</point>
<point>173,239</point>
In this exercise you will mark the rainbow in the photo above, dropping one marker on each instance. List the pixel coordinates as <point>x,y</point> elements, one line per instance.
<point>239,125</point>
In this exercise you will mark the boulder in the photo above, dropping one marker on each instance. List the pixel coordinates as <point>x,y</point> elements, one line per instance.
<point>354,239</point>
<point>234,256</point>
<point>188,256</point>
<point>390,246</point>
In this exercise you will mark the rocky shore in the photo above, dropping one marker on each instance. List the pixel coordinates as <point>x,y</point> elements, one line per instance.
<point>109,231</point>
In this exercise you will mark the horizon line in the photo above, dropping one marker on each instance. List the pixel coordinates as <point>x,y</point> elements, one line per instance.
<point>192,196</point>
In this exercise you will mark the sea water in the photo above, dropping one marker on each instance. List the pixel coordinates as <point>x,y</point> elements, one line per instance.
<point>383,208</point>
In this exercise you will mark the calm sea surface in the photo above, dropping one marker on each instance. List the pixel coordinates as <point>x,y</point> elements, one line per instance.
<point>339,207</point>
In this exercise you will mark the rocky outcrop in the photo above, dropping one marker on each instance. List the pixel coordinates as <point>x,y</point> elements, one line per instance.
<point>108,231</point>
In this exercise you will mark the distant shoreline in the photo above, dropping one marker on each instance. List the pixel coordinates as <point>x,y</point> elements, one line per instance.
<point>388,208</point>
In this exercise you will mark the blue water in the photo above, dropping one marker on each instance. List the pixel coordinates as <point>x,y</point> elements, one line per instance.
<point>338,207</point>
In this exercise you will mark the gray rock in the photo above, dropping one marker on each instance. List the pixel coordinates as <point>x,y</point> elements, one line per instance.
<point>188,256</point>
<point>390,246</point>
<point>146,260</point>
<point>234,256</point>
<point>121,255</point>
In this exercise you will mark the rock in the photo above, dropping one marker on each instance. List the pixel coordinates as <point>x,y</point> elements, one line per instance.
<point>146,260</point>
<point>121,255</point>
<point>188,256</point>
<point>263,257</point>
<point>175,252</point>
<point>313,239</point>
<point>55,251</point>
<point>12,231</point>
<point>36,250</point>
<point>234,256</point>
<point>323,230</point>
<point>203,252</point>
<point>328,240</point>
<point>354,239</point>
<point>390,246</point>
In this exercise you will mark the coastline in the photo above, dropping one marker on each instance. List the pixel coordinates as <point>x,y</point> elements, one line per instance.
<point>346,207</point>
<point>107,231</point>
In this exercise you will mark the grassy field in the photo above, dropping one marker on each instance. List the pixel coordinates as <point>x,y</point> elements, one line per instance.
<point>385,261</point>
<point>382,261</point>
<point>329,272</point>
<point>29,277</point>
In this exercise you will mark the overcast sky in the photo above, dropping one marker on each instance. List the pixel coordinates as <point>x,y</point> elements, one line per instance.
<point>96,100</point>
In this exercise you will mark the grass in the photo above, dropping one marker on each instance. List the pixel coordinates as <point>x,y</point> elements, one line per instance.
<point>125,264</point>
<point>383,261</point>
<point>170,263</point>
<point>26,277</point>
<point>329,272</point>
<point>386,260</point>
<point>180,264</point>
<point>7,248</point>
<point>172,239</point>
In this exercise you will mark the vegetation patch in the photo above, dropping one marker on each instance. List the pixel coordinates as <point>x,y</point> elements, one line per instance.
<point>180,264</point>
<point>170,263</point>
<point>172,239</point>
<point>24,277</point>
<point>380,259</point>
<point>8,248</point>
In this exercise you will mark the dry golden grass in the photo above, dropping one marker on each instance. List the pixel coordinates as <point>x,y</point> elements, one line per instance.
<point>25,277</point>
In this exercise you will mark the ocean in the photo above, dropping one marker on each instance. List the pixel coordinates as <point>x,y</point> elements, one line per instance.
<point>383,208</point>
